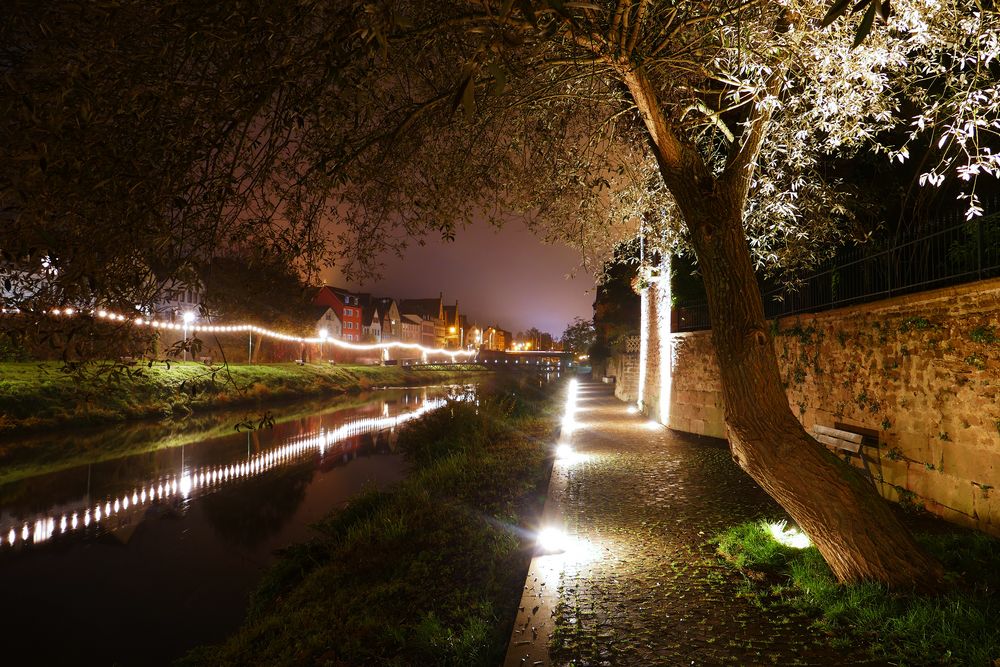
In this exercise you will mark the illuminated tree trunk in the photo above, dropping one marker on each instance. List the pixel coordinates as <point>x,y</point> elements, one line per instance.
<point>853,527</point>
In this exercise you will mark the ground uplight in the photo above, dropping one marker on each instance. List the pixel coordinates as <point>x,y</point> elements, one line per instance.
<point>790,537</point>
<point>551,540</point>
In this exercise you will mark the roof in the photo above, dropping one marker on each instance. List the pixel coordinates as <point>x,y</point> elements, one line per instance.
<point>368,312</point>
<point>384,304</point>
<point>449,313</point>
<point>426,308</point>
<point>413,319</point>
<point>342,295</point>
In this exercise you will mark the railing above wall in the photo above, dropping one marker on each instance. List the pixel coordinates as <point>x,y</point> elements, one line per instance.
<point>950,252</point>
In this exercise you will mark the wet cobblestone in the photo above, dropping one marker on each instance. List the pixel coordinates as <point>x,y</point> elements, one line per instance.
<point>651,591</point>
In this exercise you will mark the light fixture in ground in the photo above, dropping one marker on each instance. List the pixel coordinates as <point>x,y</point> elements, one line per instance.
<point>551,540</point>
<point>788,536</point>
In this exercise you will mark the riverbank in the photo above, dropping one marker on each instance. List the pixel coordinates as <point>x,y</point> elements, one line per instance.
<point>429,572</point>
<point>44,395</point>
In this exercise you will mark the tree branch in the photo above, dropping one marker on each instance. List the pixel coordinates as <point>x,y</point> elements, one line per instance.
<point>739,168</point>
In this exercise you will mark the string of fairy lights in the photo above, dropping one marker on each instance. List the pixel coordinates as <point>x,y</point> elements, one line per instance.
<point>198,480</point>
<point>189,324</point>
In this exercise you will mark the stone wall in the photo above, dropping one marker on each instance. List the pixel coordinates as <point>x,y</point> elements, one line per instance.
<point>624,367</point>
<point>919,375</point>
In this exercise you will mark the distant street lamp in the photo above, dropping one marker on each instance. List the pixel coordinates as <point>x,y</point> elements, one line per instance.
<point>188,319</point>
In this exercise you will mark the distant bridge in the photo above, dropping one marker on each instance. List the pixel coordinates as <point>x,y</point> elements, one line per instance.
<point>528,359</point>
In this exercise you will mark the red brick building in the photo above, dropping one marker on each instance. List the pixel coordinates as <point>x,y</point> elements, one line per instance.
<point>348,309</point>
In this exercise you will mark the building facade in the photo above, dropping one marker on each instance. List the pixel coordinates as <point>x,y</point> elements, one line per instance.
<point>347,307</point>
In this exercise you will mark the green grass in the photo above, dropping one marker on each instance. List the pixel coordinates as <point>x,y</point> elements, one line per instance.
<point>428,573</point>
<point>960,626</point>
<point>44,395</point>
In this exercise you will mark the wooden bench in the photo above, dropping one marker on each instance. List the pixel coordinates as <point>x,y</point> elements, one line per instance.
<point>834,437</point>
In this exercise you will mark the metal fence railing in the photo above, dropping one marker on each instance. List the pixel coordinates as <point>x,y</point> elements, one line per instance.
<point>951,251</point>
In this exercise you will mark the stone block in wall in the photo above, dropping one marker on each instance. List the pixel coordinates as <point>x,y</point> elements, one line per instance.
<point>716,429</point>
<point>944,489</point>
<point>680,423</point>
<point>893,472</point>
<point>972,463</point>
<point>919,447</point>
<point>986,502</point>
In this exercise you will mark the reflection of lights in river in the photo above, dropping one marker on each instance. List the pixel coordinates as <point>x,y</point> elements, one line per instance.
<point>186,482</point>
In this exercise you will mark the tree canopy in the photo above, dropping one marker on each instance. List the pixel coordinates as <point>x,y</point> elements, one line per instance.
<point>140,134</point>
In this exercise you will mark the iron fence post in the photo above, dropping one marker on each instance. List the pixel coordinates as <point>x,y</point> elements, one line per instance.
<point>979,247</point>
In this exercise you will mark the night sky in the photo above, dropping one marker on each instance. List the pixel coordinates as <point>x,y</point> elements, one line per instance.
<point>506,277</point>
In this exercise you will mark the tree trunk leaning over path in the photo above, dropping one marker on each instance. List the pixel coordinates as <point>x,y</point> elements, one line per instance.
<point>849,522</point>
<point>853,527</point>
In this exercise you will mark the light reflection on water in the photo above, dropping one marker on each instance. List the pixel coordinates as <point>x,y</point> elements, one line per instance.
<point>175,539</point>
<point>194,481</point>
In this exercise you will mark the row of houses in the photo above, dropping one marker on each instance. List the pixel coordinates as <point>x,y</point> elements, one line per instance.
<point>362,318</point>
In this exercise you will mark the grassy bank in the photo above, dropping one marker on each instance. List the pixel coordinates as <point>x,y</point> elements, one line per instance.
<point>957,627</point>
<point>44,395</point>
<point>429,573</point>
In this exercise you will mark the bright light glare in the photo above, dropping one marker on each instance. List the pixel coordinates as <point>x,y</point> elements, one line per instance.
<point>632,409</point>
<point>551,540</point>
<point>564,451</point>
<point>188,317</point>
<point>790,537</point>
<point>653,425</point>
<point>186,485</point>
<point>568,423</point>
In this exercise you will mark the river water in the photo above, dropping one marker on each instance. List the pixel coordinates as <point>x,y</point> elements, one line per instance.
<point>132,545</point>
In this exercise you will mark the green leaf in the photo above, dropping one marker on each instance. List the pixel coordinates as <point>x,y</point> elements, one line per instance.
<point>835,12</point>
<point>866,24</point>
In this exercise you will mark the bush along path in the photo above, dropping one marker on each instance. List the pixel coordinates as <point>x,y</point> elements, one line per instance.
<point>428,573</point>
<point>35,396</point>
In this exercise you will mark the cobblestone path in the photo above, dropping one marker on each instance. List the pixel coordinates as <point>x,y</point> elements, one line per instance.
<point>642,587</point>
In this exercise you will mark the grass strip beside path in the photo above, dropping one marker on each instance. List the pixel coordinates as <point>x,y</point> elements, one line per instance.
<point>960,626</point>
<point>428,573</point>
<point>41,395</point>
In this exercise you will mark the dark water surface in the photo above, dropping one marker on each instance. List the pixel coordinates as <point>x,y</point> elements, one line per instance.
<point>135,559</point>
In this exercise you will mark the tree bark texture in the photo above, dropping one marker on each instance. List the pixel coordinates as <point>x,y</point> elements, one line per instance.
<point>853,527</point>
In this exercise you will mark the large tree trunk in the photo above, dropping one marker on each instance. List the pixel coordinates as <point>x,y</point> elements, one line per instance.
<point>852,526</point>
<point>848,521</point>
